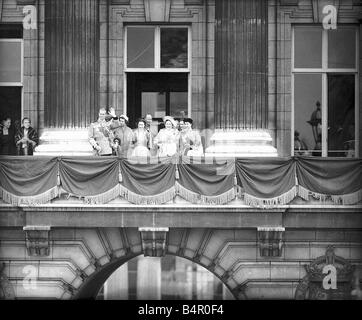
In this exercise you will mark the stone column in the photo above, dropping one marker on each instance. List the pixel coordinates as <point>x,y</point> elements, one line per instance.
<point>241,79</point>
<point>71,63</point>
<point>71,88</point>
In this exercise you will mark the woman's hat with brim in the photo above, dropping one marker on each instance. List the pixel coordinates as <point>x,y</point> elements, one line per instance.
<point>172,120</point>
<point>124,117</point>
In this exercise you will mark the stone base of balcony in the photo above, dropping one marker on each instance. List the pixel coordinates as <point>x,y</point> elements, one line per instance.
<point>241,143</point>
<point>64,142</point>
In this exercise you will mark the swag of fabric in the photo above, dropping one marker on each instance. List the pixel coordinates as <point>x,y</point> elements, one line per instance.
<point>266,182</point>
<point>323,178</point>
<point>262,182</point>
<point>28,180</point>
<point>146,182</point>
<point>205,182</point>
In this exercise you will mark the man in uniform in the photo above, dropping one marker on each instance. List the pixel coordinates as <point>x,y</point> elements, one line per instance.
<point>99,135</point>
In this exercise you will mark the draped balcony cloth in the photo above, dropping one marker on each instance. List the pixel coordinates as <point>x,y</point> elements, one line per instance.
<point>28,180</point>
<point>337,178</point>
<point>263,182</point>
<point>206,183</point>
<point>93,178</point>
<point>266,182</point>
<point>146,181</point>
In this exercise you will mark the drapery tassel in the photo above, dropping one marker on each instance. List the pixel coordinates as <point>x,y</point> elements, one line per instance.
<point>58,185</point>
<point>187,194</point>
<point>303,193</point>
<point>235,181</point>
<point>177,174</point>
<point>219,199</point>
<point>348,199</point>
<point>135,198</point>
<point>120,177</point>
<point>103,197</point>
<point>283,199</point>
<point>38,199</point>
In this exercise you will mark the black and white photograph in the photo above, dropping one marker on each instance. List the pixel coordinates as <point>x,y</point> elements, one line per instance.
<point>186,155</point>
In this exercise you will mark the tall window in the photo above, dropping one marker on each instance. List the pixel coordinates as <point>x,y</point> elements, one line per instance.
<point>157,48</point>
<point>157,68</point>
<point>11,70</point>
<point>325,91</point>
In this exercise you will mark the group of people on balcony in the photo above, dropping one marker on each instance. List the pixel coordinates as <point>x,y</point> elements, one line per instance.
<point>16,139</point>
<point>111,135</point>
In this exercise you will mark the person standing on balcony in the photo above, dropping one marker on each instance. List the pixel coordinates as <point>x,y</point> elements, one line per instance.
<point>26,139</point>
<point>123,137</point>
<point>99,135</point>
<point>167,139</point>
<point>7,138</point>
<point>190,140</point>
<point>152,129</point>
<point>141,140</point>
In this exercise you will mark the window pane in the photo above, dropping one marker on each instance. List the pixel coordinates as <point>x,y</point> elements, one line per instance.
<point>140,47</point>
<point>342,48</point>
<point>154,103</point>
<point>341,115</point>
<point>308,47</point>
<point>307,115</point>
<point>10,61</point>
<point>174,47</point>
<point>178,104</point>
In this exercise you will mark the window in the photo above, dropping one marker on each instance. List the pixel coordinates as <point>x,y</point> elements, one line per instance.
<point>157,48</point>
<point>325,91</point>
<point>11,70</point>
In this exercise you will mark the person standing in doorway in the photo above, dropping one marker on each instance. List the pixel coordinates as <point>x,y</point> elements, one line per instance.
<point>26,139</point>
<point>7,138</point>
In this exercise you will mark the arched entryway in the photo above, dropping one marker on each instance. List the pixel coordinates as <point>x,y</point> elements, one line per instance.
<point>136,277</point>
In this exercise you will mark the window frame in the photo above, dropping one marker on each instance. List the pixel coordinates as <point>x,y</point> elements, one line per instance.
<point>15,84</point>
<point>157,49</point>
<point>324,71</point>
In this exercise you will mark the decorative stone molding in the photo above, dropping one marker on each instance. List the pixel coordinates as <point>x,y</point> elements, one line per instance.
<point>154,241</point>
<point>37,240</point>
<point>157,10</point>
<point>311,285</point>
<point>270,240</point>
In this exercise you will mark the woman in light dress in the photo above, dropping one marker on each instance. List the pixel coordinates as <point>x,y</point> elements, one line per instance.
<point>141,140</point>
<point>167,139</point>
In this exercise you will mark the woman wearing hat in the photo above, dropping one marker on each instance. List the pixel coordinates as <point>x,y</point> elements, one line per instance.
<point>141,140</point>
<point>168,138</point>
<point>124,136</point>
<point>190,140</point>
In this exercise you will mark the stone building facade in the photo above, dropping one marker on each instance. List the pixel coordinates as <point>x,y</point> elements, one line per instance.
<point>254,72</point>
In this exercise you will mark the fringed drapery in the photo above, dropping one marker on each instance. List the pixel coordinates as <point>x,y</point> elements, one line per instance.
<point>266,182</point>
<point>148,183</point>
<point>28,180</point>
<point>207,182</point>
<point>339,179</point>
<point>260,182</point>
<point>92,178</point>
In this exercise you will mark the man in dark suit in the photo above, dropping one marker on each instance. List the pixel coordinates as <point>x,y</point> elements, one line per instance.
<point>26,139</point>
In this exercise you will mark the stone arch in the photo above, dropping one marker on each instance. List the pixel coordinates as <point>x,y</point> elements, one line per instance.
<point>179,244</point>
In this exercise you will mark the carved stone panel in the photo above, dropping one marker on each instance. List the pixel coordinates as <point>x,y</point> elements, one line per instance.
<point>37,240</point>
<point>270,241</point>
<point>311,287</point>
<point>154,241</point>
